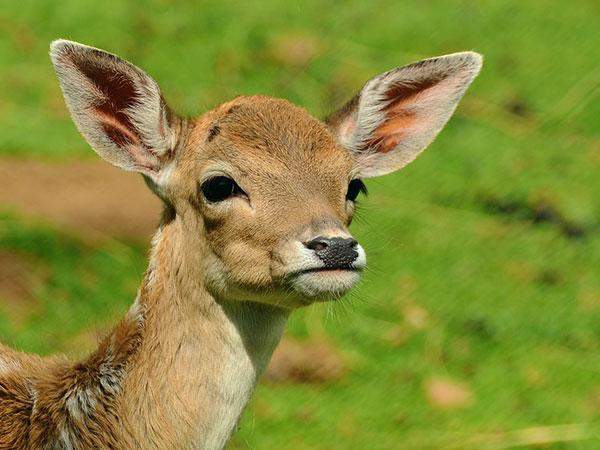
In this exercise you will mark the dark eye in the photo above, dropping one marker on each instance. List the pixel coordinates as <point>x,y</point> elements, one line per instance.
<point>220,188</point>
<point>355,187</point>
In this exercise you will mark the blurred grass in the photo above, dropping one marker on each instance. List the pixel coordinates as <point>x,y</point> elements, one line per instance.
<point>492,236</point>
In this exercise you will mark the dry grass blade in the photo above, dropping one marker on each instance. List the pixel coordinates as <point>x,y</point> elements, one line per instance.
<point>535,436</point>
<point>539,435</point>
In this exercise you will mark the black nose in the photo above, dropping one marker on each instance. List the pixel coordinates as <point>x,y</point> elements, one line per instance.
<point>336,252</point>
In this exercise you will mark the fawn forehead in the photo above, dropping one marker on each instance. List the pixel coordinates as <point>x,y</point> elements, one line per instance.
<point>268,136</point>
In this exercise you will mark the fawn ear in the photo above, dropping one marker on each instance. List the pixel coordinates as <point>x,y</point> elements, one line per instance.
<point>116,107</point>
<point>397,114</point>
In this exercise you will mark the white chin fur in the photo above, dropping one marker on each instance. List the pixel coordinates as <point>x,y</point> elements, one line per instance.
<point>327,283</point>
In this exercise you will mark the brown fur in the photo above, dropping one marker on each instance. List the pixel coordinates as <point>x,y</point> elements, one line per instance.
<point>44,400</point>
<point>39,408</point>
<point>178,370</point>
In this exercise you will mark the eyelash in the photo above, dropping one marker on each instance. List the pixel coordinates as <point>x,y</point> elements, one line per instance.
<point>355,187</point>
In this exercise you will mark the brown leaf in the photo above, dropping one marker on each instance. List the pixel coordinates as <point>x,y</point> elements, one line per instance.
<point>444,393</point>
<point>296,49</point>
<point>415,316</point>
<point>397,336</point>
<point>306,362</point>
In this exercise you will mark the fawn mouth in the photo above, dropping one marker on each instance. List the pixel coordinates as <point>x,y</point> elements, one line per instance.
<point>327,269</point>
<point>324,283</point>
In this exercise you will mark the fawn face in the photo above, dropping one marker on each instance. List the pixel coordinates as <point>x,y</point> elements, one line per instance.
<point>272,186</point>
<point>270,190</point>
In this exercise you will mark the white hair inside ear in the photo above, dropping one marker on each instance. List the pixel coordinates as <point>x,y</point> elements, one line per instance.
<point>117,107</point>
<point>398,114</point>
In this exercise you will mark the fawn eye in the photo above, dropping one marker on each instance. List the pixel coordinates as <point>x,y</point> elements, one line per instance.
<point>220,188</point>
<point>355,187</point>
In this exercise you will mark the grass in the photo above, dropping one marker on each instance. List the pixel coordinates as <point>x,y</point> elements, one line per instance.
<point>490,239</point>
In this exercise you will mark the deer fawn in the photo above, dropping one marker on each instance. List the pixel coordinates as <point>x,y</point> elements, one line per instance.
<point>258,196</point>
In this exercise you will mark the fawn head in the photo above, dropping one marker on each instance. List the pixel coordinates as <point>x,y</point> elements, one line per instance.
<point>268,189</point>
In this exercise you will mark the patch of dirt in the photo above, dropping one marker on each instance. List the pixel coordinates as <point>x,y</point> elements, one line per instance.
<point>536,211</point>
<point>13,276</point>
<point>16,297</point>
<point>305,362</point>
<point>87,197</point>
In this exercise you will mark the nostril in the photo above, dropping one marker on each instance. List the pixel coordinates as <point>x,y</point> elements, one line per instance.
<point>317,244</point>
<point>334,252</point>
<point>320,244</point>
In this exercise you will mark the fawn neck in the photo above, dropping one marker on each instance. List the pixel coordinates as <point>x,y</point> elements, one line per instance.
<point>200,357</point>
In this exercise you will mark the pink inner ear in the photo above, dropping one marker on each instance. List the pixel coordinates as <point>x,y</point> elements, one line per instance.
<point>393,130</point>
<point>401,117</point>
<point>116,130</point>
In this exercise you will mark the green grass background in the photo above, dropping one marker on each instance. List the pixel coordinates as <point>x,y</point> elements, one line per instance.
<point>492,234</point>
